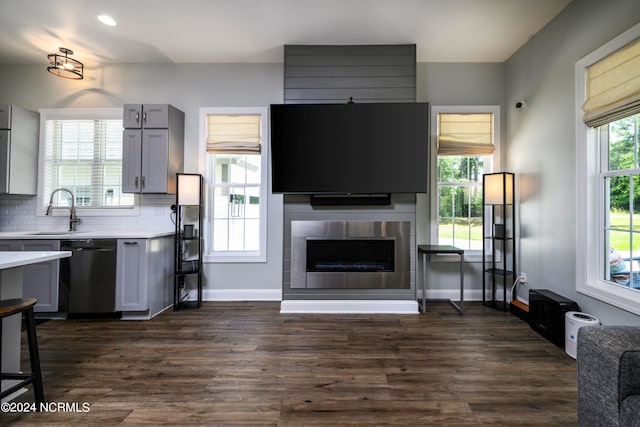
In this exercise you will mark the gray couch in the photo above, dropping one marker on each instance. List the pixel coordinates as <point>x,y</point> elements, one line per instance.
<point>608,362</point>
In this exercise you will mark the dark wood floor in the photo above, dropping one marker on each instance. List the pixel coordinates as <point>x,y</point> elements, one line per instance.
<point>246,364</point>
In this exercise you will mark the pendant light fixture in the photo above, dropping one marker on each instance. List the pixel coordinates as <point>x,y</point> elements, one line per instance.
<point>65,66</point>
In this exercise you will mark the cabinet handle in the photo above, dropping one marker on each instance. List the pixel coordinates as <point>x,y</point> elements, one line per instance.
<point>136,181</point>
<point>143,182</point>
<point>144,117</point>
<point>137,117</point>
<point>131,243</point>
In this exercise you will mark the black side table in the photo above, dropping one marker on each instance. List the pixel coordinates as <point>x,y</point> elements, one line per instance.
<point>427,251</point>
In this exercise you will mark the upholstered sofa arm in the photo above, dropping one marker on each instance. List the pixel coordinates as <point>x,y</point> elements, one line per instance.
<point>608,363</point>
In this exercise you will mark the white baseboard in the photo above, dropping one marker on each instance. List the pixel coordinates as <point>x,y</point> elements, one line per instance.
<point>242,294</point>
<point>337,306</point>
<point>349,306</point>
<point>452,294</point>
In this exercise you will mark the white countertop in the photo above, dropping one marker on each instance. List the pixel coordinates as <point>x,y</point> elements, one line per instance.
<point>11,259</point>
<point>66,235</point>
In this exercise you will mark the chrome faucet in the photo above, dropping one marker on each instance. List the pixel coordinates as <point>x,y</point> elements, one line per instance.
<point>73,219</point>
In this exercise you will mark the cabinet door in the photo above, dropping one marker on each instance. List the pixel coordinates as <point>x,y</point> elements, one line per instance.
<point>155,160</point>
<point>132,116</point>
<point>8,245</point>
<point>5,116</point>
<point>132,285</point>
<point>40,281</point>
<point>155,116</point>
<point>131,160</point>
<point>5,146</point>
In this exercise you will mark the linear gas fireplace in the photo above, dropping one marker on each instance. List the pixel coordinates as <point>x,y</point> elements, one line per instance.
<point>350,254</point>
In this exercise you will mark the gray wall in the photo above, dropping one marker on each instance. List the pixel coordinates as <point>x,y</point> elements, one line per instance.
<point>455,84</point>
<point>541,140</point>
<point>187,87</point>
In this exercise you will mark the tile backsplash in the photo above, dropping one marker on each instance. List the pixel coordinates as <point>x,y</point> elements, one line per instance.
<point>18,213</point>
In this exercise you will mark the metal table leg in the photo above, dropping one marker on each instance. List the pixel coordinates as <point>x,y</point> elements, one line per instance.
<point>460,307</point>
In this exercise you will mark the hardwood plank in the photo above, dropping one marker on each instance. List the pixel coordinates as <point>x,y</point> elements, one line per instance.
<point>245,363</point>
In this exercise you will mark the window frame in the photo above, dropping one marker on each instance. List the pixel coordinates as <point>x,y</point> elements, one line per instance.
<point>77,114</point>
<point>235,256</point>
<point>590,194</point>
<point>471,255</point>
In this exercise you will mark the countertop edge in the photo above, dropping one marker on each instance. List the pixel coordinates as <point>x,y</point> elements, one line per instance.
<point>104,234</point>
<point>12,259</point>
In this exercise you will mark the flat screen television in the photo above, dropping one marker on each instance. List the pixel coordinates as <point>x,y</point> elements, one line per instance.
<point>367,148</point>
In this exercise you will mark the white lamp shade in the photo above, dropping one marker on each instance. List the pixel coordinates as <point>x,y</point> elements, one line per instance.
<point>498,189</point>
<point>188,189</point>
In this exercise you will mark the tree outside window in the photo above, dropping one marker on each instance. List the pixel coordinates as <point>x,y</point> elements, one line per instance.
<point>621,177</point>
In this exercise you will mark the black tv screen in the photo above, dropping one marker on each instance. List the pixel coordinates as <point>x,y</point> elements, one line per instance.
<point>369,148</point>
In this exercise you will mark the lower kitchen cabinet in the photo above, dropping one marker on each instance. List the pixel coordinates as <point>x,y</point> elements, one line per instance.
<point>39,281</point>
<point>144,277</point>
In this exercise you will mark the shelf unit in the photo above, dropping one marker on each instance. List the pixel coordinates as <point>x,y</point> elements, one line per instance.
<point>499,248</point>
<point>188,242</point>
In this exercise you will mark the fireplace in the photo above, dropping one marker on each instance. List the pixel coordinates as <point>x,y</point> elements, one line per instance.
<point>350,254</point>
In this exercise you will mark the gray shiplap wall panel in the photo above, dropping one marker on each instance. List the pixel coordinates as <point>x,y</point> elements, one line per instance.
<point>333,74</point>
<point>350,82</point>
<point>407,71</point>
<point>375,49</point>
<point>349,60</point>
<point>366,73</point>
<point>358,94</point>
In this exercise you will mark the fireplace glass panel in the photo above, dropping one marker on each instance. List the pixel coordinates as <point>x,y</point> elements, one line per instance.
<point>356,255</point>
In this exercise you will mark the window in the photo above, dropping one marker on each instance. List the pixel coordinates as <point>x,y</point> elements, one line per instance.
<point>236,168</point>
<point>620,178</point>
<point>466,146</point>
<point>82,152</point>
<point>608,172</point>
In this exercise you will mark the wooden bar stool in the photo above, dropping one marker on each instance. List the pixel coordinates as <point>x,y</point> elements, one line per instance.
<point>10,307</point>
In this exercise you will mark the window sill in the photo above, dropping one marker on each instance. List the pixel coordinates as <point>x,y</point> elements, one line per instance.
<point>232,258</point>
<point>622,297</point>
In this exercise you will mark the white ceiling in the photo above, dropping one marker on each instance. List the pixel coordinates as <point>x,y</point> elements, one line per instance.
<point>207,31</point>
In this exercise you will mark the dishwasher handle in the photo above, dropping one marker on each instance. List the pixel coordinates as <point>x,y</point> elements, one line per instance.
<point>93,249</point>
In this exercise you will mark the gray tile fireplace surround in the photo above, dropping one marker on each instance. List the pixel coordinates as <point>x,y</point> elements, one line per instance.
<point>394,280</point>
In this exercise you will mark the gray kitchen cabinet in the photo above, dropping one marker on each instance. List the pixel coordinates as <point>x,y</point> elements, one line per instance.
<point>39,281</point>
<point>131,275</point>
<point>153,148</point>
<point>144,277</point>
<point>19,130</point>
<point>148,116</point>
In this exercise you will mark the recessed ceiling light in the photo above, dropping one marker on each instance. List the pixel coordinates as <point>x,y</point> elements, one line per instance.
<point>107,20</point>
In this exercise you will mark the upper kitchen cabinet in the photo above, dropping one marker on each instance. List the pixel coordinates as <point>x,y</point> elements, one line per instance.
<point>18,150</point>
<point>148,116</point>
<point>152,148</point>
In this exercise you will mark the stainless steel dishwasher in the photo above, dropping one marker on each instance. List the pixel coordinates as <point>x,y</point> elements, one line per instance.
<point>88,277</point>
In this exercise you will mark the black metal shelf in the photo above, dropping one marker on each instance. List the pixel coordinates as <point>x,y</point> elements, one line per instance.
<point>498,271</point>
<point>187,272</point>
<point>498,248</point>
<point>188,249</point>
<point>498,238</point>
<point>186,305</point>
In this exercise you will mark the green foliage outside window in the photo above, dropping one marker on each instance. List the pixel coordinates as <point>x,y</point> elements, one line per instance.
<point>623,154</point>
<point>623,189</point>
<point>460,199</point>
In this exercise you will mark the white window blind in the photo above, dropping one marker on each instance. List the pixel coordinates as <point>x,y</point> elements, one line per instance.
<point>465,134</point>
<point>85,156</point>
<point>237,134</point>
<point>613,86</point>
